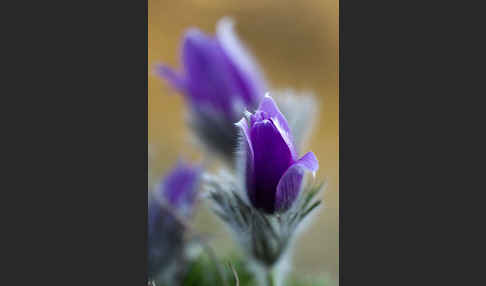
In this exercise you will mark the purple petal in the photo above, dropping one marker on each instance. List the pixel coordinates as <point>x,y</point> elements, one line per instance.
<point>270,109</point>
<point>209,82</point>
<point>269,106</point>
<point>290,184</point>
<point>175,80</point>
<point>249,159</point>
<point>245,69</point>
<point>309,162</point>
<point>272,157</point>
<point>179,186</point>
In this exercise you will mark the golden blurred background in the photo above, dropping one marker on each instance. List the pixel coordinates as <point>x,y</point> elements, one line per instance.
<point>296,43</point>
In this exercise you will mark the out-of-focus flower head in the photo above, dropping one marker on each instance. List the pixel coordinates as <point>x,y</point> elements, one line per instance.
<point>220,80</point>
<point>169,205</point>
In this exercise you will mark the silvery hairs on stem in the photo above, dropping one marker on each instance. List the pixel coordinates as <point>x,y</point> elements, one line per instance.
<point>270,195</point>
<point>264,237</point>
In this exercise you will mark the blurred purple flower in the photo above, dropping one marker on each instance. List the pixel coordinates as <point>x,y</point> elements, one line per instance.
<point>273,171</point>
<point>175,196</point>
<point>178,188</point>
<point>220,81</point>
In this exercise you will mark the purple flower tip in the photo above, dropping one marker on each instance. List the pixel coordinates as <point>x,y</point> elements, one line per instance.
<point>220,76</point>
<point>274,173</point>
<point>177,190</point>
<point>179,186</point>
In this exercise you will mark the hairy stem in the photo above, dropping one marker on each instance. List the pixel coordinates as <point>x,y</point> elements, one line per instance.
<point>269,277</point>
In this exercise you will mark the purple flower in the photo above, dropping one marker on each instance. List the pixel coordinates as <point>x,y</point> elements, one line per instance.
<point>220,80</point>
<point>179,187</point>
<point>273,173</point>
<point>219,75</point>
<point>175,196</point>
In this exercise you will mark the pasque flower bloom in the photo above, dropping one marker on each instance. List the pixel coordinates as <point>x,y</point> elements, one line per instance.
<point>220,80</point>
<point>273,171</point>
<point>172,200</point>
<point>270,174</point>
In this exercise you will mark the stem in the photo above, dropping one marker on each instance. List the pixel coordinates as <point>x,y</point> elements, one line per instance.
<point>269,277</point>
<point>235,274</point>
<point>209,250</point>
<point>200,238</point>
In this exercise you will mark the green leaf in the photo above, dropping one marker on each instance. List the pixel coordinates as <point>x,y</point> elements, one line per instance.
<point>314,205</point>
<point>312,193</point>
<point>202,272</point>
